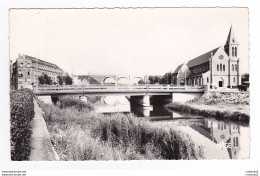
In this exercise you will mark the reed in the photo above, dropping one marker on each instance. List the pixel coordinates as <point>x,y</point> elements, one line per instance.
<point>81,134</point>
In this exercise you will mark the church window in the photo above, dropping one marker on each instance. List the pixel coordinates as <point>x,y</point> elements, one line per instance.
<point>28,73</point>
<point>236,67</point>
<point>207,79</point>
<point>234,79</point>
<point>217,67</point>
<point>220,67</point>
<point>233,67</point>
<point>224,67</point>
<point>236,51</point>
<point>232,51</point>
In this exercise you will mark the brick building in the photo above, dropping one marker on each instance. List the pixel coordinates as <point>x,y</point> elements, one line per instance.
<point>26,69</point>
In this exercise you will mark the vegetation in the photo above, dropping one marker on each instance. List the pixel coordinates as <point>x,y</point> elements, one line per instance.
<point>81,134</point>
<point>69,101</point>
<point>155,80</point>
<point>45,79</point>
<point>22,113</point>
<point>64,80</point>
<point>223,115</point>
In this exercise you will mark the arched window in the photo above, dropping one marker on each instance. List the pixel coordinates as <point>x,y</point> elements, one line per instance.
<point>236,67</point>
<point>233,67</point>
<point>217,67</point>
<point>236,51</point>
<point>232,51</point>
<point>234,79</point>
<point>224,67</point>
<point>220,67</point>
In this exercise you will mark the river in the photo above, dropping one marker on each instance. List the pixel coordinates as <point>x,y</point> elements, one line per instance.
<point>220,139</point>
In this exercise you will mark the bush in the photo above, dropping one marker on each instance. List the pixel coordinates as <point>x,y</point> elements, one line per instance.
<point>225,115</point>
<point>22,113</point>
<point>151,142</point>
<point>69,101</point>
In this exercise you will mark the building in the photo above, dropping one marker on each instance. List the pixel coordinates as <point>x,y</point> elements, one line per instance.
<point>217,68</point>
<point>27,69</point>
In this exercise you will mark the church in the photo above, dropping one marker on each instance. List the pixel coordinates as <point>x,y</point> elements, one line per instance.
<point>218,67</point>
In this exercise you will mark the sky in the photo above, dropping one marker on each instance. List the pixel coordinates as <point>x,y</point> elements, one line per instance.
<point>135,42</point>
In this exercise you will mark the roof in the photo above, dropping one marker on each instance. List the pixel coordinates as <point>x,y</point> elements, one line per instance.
<point>177,69</point>
<point>195,75</point>
<point>41,62</point>
<point>231,35</point>
<point>204,58</point>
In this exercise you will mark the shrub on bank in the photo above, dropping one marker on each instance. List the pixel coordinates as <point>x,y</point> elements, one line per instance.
<point>22,113</point>
<point>237,116</point>
<point>69,101</point>
<point>152,142</point>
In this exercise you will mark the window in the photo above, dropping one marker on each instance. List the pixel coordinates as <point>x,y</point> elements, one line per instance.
<point>233,67</point>
<point>207,79</point>
<point>217,67</point>
<point>236,67</point>
<point>224,67</point>
<point>232,51</point>
<point>234,79</point>
<point>28,73</point>
<point>236,51</point>
<point>220,67</point>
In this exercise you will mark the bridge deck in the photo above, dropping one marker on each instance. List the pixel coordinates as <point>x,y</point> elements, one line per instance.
<point>115,89</point>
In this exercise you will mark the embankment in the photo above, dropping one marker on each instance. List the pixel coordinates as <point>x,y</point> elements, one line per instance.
<point>224,106</point>
<point>81,134</point>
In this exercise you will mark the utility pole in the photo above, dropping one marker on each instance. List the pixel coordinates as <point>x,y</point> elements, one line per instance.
<point>36,72</point>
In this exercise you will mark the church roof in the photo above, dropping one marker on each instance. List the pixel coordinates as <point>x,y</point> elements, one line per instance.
<point>177,69</point>
<point>204,58</point>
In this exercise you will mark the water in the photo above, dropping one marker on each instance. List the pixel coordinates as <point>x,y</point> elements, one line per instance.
<point>221,140</point>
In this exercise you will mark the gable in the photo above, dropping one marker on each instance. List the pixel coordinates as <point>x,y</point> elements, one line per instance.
<point>177,69</point>
<point>220,54</point>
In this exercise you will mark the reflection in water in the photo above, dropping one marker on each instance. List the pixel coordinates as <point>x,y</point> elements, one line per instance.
<point>226,136</point>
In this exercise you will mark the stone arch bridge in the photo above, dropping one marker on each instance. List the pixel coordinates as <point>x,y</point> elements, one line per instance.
<point>115,79</point>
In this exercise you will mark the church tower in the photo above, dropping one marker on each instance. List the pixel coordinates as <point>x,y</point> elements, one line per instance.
<point>231,46</point>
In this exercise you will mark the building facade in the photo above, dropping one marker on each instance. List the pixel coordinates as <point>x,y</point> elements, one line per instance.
<point>26,71</point>
<point>217,68</point>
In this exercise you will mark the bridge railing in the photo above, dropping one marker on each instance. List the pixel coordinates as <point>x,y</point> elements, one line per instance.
<point>114,87</point>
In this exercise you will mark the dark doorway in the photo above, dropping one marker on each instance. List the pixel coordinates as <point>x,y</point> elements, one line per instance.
<point>220,84</point>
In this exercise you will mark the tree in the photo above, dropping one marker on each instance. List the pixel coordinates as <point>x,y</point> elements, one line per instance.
<point>67,80</point>
<point>60,80</point>
<point>45,79</point>
<point>141,82</point>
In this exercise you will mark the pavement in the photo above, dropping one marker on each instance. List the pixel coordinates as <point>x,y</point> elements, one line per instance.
<point>41,146</point>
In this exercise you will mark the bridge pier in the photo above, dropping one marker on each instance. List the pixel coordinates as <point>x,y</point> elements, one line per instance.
<point>141,100</point>
<point>83,98</point>
<point>146,101</point>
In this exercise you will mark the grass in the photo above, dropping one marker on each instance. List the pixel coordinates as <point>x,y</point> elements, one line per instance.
<point>81,134</point>
<point>206,111</point>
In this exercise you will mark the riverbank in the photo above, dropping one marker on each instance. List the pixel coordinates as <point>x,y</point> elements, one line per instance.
<point>224,106</point>
<point>81,134</point>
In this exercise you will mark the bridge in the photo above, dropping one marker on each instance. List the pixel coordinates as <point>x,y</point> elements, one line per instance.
<point>140,92</point>
<point>106,79</point>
